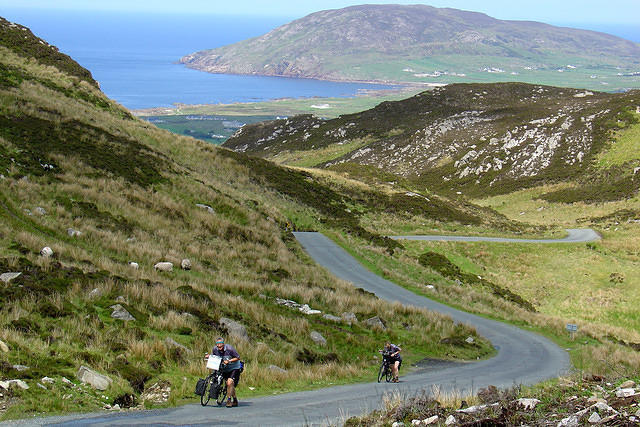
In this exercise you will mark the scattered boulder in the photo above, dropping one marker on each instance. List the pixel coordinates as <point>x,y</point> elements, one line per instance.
<point>119,312</point>
<point>94,379</point>
<point>625,392</point>
<point>4,347</point>
<point>331,317</point>
<point>570,421</point>
<point>349,317</point>
<point>628,384</point>
<point>595,418</point>
<point>375,322</point>
<point>171,343</point>
<point>47,380</point>
<point>46,252</point>
<point>73,233</point>
<point>450,420</point>
<point>469,340</point>
<point>234,328</point>
<point>304,308</point>
<point>95,293</point>
<point>134,265</point>
<point>206,207</point>
<point>40,211</point>
<point>7,277</point>
<point>20,368</point>
<point>430,420</point>
<point>42,386</point>
<point>528,404</point>
<point>18,383</point>
<point>164,266</point>
<point>121,299</point>
<point>157,393</point>
<point>308,310</point>
<point>277,369</point>
<point>318,338</point>
<point>185,264</point>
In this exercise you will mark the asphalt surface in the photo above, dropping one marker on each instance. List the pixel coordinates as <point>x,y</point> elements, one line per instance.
<point>522,358</point>
<point>573,236</point>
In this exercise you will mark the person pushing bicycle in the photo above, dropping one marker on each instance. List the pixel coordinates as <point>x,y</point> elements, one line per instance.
<point>393,353</point>
<point>230,370</point>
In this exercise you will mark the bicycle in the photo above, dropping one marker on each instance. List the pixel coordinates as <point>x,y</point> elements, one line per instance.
<point>385,367</point>
<point>215,386</point>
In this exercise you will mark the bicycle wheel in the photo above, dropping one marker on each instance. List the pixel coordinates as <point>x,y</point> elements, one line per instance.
<point>382,371</point>
<point>388,374</point>
<point>204,399</point>
<point>222,392</point>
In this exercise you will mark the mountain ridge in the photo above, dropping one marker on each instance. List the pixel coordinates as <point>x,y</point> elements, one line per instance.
<point>354,43</point>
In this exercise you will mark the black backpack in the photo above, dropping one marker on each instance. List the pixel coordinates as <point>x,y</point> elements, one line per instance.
<point>201,385</point>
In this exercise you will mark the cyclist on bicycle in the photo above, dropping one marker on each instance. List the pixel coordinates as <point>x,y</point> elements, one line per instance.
<point>230,370</point>
<point>393,352</point>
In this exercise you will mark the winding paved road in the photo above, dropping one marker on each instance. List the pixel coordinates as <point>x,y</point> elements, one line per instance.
<point>522,358</point>
<point>573,236</point>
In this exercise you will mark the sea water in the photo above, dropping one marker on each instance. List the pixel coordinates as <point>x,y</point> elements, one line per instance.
<point>134,56</point>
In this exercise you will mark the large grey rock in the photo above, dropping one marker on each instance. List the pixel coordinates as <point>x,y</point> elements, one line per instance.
<point>331,317</point>
<point>234,328</point>
<point>20,368</point>
<point>7,277</point>
<point>171,343</point>
<point>185,264</point>
<point>430,420</point>
<point>375,322</point>
<point>94,379</point>
<point>46,252</point>
<point>40,211</point>
<point>277,369</point>
<point>47,380</point>
<point>308,310</point>
<point>349,317</point>
<point>119,312</point>
<point>164,266</point>
<point>450,420</point>
<point>4,347</point>
<point>318,338</point>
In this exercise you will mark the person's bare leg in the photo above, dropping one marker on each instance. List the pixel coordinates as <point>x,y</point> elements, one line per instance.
<point>394,369</point>
<point>231,388</point>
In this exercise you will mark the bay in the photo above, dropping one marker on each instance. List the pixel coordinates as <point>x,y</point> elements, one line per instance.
<point>134,56</point>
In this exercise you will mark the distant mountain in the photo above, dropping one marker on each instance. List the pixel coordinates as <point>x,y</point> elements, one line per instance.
<point>476,138</point>
<point>393,42</point>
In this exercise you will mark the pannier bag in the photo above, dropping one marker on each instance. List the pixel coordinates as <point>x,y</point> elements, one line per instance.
<point>200,386</point>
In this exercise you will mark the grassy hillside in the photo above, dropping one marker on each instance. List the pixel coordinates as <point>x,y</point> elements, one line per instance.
<point>472,139</point>
<point>82,176</point>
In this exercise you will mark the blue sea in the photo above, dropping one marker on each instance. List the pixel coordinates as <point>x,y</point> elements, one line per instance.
<point>134,56</point>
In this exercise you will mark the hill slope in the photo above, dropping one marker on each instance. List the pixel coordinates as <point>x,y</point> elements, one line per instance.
<point>478,139</point>
<point>410,43</point>
<point>102,189</point>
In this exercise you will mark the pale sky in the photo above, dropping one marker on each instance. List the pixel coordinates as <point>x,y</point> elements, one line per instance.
<point>550,11</point>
